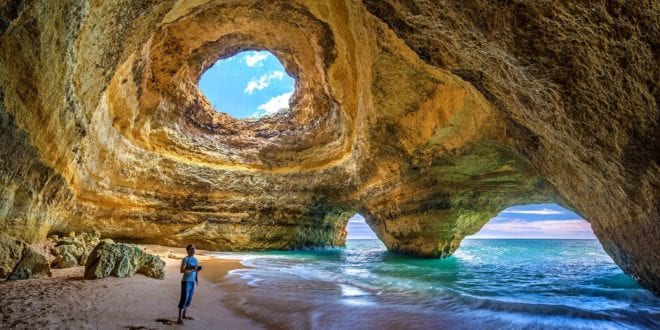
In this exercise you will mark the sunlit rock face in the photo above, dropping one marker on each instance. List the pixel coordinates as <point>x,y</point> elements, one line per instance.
<point>426,118</point>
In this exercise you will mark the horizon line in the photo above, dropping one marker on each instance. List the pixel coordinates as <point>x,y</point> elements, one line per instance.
<point>539,238</point>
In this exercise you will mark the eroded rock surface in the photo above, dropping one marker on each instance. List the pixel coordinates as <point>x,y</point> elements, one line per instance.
<point>11,251</point>
<point>122,260</point>
<point>72,250</point>
<point>426,117</point>
<point>31,265</point>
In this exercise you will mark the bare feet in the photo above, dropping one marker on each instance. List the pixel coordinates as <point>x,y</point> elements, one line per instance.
<point>179,321</point>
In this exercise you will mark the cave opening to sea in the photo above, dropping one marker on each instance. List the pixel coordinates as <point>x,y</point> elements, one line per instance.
<point>536,221</point>
<point>357,228</point>
<point>248,85</point>
<point>550,273</point>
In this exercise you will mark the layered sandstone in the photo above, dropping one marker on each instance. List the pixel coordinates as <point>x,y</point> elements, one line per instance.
<point>427,118</point>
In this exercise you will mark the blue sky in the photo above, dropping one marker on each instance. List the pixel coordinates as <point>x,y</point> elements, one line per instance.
<point>249,84</point>
<point>536,221</point>
<point>525,221</point>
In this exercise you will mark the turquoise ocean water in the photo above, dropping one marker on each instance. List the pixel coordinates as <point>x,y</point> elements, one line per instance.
<point>487,284</point>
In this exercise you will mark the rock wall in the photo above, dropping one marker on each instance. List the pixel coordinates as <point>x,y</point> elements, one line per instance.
<point>578,85</point>
<point>33,196</point>
<point>427,118</point>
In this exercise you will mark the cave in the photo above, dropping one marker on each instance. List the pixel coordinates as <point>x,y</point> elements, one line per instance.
<point>536,221</point>
<point>357,228</point>
<point>428,118</point>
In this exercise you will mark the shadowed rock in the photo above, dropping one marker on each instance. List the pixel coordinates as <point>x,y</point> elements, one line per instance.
<point>31,265</point>
<point>11,251</point>
<point>122,260</point>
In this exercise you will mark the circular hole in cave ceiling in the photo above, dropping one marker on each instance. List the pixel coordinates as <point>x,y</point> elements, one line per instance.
<point>248,85</point>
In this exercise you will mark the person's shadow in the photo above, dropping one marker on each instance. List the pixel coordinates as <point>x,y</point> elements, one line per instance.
<point>166,321</point>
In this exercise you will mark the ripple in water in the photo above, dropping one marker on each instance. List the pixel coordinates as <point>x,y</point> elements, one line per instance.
<point>526,284</point>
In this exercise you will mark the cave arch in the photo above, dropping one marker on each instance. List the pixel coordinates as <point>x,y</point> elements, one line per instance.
<point>357,228</point>
<point>431,129</point>
<point>535,221</point>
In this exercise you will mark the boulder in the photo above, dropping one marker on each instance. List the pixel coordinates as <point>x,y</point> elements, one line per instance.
<point>92,236</point>
<point>11,251</point>
<point>122,260</point>
<point>66,260</point>
<point>74,241</point>
<point>72,251</point>
<point>31,265</point>
<point>82,261</point>
<point>152,266</point>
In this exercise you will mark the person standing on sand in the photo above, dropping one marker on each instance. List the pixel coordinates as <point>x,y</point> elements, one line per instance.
<point>189,269</point>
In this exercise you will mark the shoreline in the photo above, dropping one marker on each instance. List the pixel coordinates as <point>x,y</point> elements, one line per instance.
<point>67,300</point>
<point>302,299</point>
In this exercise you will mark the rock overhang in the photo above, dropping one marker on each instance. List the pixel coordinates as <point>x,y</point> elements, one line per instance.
<point>163,75</point>
<point>380,124</point>
<point>152,154</point>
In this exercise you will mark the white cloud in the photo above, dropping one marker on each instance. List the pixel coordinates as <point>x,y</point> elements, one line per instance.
<point>255,59</point>
<point>263,81</point>
<point>548,226</point>
<point>543,211</point>
<point>276,103</point>
<point>527,229</point>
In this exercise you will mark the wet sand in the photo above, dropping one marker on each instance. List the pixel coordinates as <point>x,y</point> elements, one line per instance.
<point>68,301</point>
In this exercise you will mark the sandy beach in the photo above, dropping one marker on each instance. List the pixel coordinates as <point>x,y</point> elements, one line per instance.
<point>67,301</point>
